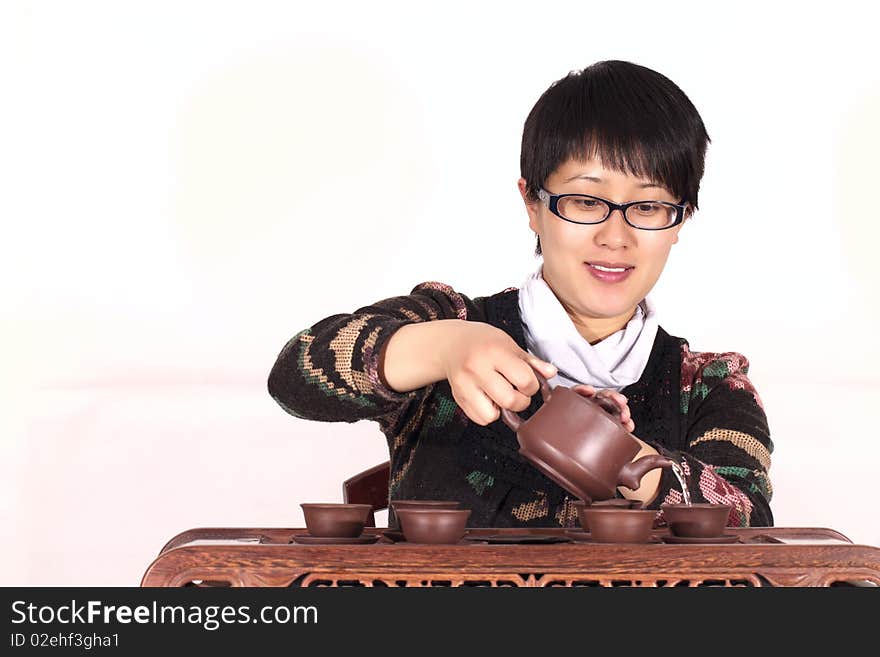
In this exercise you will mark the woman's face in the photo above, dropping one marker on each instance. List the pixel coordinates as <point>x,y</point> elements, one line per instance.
<point>603,302</point>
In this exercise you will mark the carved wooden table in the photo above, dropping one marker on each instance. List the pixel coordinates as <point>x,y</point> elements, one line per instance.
<point>764,556</point>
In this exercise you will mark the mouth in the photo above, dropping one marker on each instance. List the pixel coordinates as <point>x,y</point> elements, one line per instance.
<point>609,272</point>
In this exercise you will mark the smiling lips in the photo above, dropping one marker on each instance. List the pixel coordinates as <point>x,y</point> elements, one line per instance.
<point>609,272</point>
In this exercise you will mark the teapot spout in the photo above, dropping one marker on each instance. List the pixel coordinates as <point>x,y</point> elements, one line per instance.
<point>632,473</point>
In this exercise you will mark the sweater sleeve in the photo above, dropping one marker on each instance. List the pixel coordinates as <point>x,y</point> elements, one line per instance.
<point>726,459</point>
<point>330,371</point>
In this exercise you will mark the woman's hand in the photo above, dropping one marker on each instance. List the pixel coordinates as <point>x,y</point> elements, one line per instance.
<point>613,395</point>
<point>487,371</point>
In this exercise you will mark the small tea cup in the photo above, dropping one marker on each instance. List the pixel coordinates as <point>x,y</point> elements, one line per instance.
<point>396,505</point>
<point>696,520</point>
<point>610,524</point>
<point>433,525</point>
<point>334,520</point>
<point>615,503</point>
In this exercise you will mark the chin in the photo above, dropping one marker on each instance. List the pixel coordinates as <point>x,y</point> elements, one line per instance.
<point>609,303</point>
<point>605,310</point>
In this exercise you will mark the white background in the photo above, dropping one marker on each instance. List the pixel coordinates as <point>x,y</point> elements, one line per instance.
<point>184,186</point>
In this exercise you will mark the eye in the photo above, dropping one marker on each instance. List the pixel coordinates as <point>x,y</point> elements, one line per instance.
<point>648,208</point>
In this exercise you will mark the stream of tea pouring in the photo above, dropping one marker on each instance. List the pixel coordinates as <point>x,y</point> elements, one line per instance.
<point>679,474</point>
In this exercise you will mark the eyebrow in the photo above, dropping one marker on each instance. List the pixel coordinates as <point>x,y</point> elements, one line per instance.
<point>599,180</point>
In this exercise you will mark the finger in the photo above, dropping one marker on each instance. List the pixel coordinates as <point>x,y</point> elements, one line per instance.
<point>623,404</point>
<point>613,394</point>
<point>616,397</point>
<point>618,401</point>
<point>584,389</point>
<point>545,368</point>
<point>520,375</point>
<point>475,403</point>
<point>621,401</point>
<point>502,392</point>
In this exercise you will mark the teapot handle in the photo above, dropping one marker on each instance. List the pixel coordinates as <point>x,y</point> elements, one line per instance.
<point>513,420</point>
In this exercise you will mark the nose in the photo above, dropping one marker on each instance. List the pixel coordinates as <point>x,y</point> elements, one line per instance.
<point>614,232</point>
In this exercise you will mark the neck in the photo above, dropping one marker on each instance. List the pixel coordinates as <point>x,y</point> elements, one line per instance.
<point>596,329</point>
<point>592,329</point>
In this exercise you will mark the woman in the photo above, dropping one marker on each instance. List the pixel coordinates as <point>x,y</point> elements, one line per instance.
<point>611,162</point>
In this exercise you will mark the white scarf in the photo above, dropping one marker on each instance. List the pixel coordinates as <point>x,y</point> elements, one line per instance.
<point>613,363</point>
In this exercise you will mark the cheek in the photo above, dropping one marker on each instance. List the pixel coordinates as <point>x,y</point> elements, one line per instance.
<point>657,257</point>
<point>565,239</point>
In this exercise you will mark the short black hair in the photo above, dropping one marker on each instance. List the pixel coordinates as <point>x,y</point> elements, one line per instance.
<point>634,119</point>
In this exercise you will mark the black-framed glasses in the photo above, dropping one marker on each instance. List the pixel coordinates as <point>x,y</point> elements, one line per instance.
<point>586,209</point>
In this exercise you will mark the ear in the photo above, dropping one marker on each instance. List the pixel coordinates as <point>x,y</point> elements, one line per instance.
<point>531,206</point>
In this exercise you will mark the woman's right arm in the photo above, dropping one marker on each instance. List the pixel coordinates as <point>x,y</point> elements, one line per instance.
<point>332,371</point>
<point>382,358</point>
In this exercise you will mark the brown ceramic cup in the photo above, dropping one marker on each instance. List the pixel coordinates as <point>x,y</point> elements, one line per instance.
<point>433,525</point>
<point>616,503</point>
<point>333,520</point>
<point>619,525</point>
<point>696,520</point>
<point>396,505</point>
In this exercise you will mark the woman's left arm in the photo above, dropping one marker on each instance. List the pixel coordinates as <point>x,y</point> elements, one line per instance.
<point>727,440</point>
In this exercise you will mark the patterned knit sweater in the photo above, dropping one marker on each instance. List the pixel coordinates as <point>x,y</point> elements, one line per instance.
<point>697,408</point>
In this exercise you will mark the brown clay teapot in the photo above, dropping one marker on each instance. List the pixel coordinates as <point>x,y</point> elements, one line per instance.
<point>580,443</point>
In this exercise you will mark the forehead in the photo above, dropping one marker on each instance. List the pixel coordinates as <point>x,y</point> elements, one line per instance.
<point>593,171</point>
